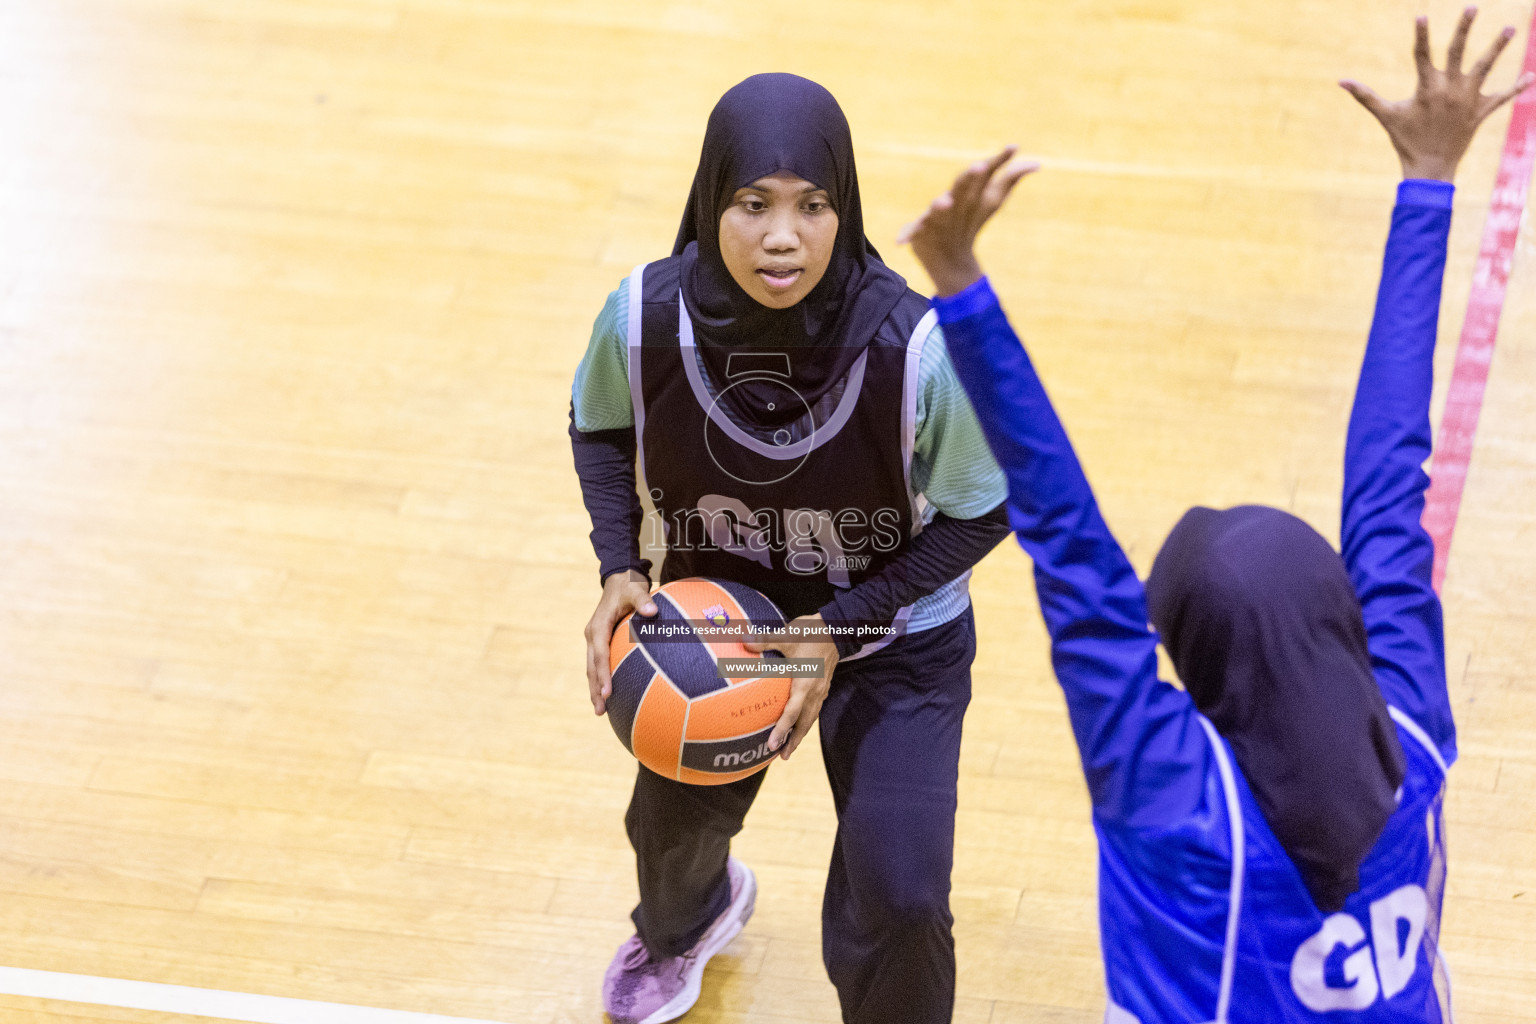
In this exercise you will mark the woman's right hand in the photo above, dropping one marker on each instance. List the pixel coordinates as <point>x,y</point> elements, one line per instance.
<point>623,592</point>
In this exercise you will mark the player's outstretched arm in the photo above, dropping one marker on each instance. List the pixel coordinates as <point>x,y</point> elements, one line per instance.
<point>1388,553</point>
<point>1142,754</point>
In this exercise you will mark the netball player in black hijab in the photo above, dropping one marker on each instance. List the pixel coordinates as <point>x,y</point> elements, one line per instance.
<point>773,303</point>
<point>801,431</point>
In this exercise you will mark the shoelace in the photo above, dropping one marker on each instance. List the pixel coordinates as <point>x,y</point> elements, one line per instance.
<point>637,958</point>
<point>634,975</point>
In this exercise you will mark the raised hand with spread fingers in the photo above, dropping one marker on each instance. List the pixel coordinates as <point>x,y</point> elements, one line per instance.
<point>944,236</point>
<point>1432,129</point>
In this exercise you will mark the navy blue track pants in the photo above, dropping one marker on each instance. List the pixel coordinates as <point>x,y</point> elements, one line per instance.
<point>890,739</point>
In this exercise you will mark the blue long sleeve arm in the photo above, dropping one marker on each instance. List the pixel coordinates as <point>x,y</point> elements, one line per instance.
<point>1143,752</point>
<point>1387,551</point>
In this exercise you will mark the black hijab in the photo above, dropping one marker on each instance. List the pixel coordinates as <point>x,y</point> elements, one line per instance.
<point>1264,628</point>
<point>772,123</point>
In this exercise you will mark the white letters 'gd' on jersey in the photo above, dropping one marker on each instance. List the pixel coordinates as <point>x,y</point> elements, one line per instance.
<point>1378,967</point>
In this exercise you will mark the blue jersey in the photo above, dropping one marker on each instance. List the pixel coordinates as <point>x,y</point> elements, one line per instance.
<point>1202,915</point>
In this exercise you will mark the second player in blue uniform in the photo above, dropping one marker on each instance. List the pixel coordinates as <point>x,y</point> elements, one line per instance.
<point>1271,843</point>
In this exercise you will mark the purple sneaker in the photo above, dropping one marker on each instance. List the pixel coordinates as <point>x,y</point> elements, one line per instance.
<point>641,990</point>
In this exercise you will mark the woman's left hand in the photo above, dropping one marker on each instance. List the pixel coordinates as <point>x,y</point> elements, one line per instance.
<point>943,238</point>
<point>806,692</point>
<point>1432,130</point>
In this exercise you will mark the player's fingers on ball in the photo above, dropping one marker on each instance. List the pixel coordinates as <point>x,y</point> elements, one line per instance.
<point>594,684</point>
<point>635,600</point>
<point>808,716</point>
<point>793,744</point>
<point>604,685</point>
<point>1484,63</point>
<point>610,612</point>
<point>595,650</point>
<point>786,720</point>
<point>795,739</point>
<point>767,642</point>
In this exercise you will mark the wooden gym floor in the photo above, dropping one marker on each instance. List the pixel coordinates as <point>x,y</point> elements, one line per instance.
<point>293,565</point>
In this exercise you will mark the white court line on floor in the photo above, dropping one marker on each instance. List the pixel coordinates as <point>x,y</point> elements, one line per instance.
<point>204,1002</point>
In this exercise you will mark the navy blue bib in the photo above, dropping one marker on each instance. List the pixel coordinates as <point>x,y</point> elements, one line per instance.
<point>797,512</point>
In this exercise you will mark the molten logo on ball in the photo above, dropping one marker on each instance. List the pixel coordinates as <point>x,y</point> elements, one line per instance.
<point>746,757</point>
<point>716,615</point>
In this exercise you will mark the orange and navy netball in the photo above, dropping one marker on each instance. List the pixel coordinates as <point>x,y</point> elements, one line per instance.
<point>673,707</point>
